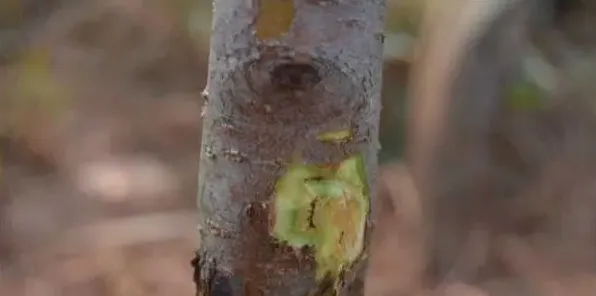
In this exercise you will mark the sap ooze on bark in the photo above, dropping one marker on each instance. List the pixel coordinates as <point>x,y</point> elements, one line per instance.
<point>324,207</point>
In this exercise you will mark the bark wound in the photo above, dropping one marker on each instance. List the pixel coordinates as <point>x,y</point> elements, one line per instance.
<point>275,18</point>
<point>324,207</point>
<point>294,77</point>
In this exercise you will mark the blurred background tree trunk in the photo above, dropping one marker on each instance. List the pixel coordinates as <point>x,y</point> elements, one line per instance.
<point>469,52</point>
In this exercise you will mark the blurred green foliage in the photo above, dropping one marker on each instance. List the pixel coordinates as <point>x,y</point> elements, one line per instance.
<point>35,92</point>
<point>401,29</point>
<point>404,16</point>
<point>523,95</point>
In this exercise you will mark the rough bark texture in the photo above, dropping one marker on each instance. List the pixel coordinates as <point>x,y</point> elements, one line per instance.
<point>469,52</point>
<point>281,73</point>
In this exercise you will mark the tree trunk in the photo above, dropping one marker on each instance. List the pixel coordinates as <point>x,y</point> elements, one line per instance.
<point>289,151</point>
<point>469,51</point>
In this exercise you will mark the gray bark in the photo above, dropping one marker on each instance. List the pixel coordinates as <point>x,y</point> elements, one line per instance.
<point>268,97</point>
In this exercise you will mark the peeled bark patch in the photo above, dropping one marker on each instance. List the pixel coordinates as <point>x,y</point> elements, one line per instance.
<point>324,207</point>
<point>274,18</point>
<point>336,136</point>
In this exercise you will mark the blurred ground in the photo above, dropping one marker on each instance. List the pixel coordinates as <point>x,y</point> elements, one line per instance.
<point>99,130</point>
<point>99,137</point>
